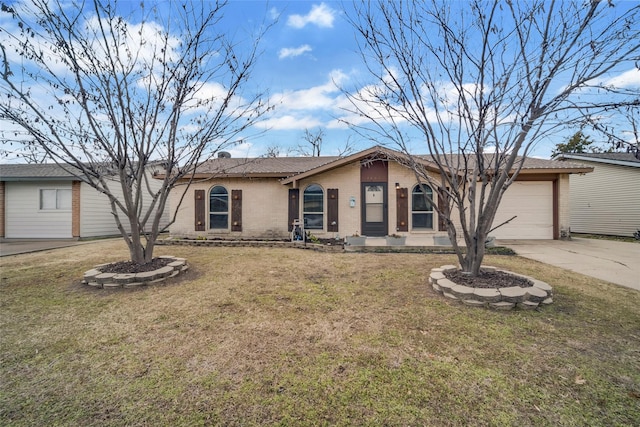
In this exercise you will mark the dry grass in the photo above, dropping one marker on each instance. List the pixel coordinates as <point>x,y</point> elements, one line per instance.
<point>291,337</point>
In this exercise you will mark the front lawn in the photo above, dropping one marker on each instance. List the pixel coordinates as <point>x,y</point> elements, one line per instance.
<point>288,337</point>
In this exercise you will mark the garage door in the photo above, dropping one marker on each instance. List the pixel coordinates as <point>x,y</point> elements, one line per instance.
<point>26,220</point>
<point>532,205</point>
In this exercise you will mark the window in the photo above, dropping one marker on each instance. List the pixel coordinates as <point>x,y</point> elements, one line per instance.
<point>422,207</point>
<point>313,207</point>
<point>218,207</point>
<point>55,199</point>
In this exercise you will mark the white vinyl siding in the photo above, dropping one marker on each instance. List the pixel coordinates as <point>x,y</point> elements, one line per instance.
<point>96,218</point>
<point>606,201</point>
<point>531,202</point>
<point>95,213</point>
<point>24,217</point>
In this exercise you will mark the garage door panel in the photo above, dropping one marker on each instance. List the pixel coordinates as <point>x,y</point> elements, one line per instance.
<point>532,205</point>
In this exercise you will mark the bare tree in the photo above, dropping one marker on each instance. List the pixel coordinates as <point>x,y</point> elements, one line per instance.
<point>312,145</point>
<point>484,81</point>
<point>623,135</point>
<point>347,149</point>
<point>273,151</point>
<point>15,144</point>
<point>108,97</point>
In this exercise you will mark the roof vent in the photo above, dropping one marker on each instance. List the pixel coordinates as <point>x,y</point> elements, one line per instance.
<point>224,155</point>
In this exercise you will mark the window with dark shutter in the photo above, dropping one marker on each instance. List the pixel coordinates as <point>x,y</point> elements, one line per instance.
<point>422,208</point>
<point>313,207</point>
<point>218,208</point>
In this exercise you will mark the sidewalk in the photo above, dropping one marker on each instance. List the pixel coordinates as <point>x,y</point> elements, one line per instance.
<point>612,261</point>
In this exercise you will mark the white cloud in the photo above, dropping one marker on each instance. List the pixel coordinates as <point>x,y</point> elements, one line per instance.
<point>240,150</point>
<point>290,122</point>
<point>290,52</point>
<point>320,15</point>
<point>316,97</point>
<point>274,13</point>
<point>628,79</point>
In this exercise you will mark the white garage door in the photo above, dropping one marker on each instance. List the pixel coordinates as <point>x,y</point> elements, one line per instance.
<point>532,204</point>
<point>27,219</point>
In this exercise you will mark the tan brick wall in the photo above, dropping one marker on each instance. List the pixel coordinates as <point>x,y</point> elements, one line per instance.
<point>264,208</point>
<point>406,178</point>
<point>75,209</point>
<point>564,208</point>
<point>347,180</point>
<point>265,203</point>
<point>2,212</point>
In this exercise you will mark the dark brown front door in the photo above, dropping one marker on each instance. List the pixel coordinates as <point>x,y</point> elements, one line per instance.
<point>374,175</point>
<point>374,209</point>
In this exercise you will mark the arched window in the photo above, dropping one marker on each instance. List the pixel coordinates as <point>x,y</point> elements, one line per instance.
<point>313,207</point>
<point>422,207</point>
<point>218,207</point>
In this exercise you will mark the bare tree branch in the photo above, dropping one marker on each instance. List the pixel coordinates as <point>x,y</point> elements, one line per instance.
<point>480,83</point>
<point>114,97</point>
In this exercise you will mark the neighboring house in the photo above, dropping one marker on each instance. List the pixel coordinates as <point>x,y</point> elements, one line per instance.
<point>367,193</point>
<point>44,201</point>
<point>606,201</point>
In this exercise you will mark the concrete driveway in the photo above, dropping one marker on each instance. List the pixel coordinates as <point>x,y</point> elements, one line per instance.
<point>615,262</point>
<point>18,246</point>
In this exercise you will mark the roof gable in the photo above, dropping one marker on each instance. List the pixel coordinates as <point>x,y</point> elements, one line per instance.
<point>531,165</point>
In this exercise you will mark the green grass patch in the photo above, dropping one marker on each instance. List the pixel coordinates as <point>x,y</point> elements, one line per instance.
<point>253,336</point>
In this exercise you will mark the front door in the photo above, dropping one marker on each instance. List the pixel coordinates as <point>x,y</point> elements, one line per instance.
<point>374,209</point>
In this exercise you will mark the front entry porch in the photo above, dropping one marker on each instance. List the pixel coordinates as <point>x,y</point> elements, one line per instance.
<point>430,240</point>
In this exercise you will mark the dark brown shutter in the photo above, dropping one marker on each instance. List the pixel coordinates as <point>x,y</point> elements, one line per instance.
<point>294,206</point>
<point>402,209</point>
<point>332,210</point>
<point>236,210</point>
<point>201,210</point>
<point>443,209</point>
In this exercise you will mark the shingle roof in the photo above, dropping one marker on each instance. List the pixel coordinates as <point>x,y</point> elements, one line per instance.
<point>31,172</point>
<point>624,159</point>
<point>530,163</point>
<point>289,167</point>
<point>294,168</point>
<point>269,166</point>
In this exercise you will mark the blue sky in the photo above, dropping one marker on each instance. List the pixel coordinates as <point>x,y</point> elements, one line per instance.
<point>310,48</point>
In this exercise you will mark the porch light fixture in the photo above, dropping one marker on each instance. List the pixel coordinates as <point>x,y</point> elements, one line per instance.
<point>397,185</point>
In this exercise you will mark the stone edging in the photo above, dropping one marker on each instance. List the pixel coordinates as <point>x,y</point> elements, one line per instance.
<point>96,278</point>
<point>500,298</point>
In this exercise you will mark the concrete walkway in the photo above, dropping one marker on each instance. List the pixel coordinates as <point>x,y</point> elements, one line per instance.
<point>612,261</point>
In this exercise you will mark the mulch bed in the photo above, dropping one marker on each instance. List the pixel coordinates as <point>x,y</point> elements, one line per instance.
<point>487,279</point>
<point>124,267</point>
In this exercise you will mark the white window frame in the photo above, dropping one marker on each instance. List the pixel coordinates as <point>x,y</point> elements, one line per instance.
<point>62,203</point>
<point>219,213</point>
<point>306,212</point>
<point>427,212</point>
